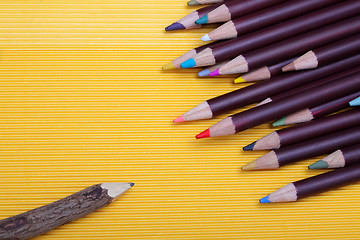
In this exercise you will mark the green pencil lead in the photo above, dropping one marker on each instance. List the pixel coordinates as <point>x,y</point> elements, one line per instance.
<point>319,165</point>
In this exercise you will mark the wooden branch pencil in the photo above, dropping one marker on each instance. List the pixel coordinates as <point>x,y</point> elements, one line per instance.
<point>258,91</point>
<point>262,73</point>
<point>290,47</point>
<point>263,18</point>
<point>188,22</point>
<point>306,149</point>
<point>308,114</point>
<point>203,2</point>
<point>270,111</point>
<point>310,85</point>
<point>234,9</point>
<point>314,185</point>
<point>298,133</point>
<point>326,54</point>
<point>340,158</point>
<point>43,219</point>
<point>235,47</point>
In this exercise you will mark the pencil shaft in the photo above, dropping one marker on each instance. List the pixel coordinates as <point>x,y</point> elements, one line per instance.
<point>235,47</point>
<point>318,146</point>
<point>351,154</point>
<point>273,110</point>
<point>293,46</point>
<point>327,181</point>
<point>315,83</point>
<point>270,87</point>
<point>319,127</point>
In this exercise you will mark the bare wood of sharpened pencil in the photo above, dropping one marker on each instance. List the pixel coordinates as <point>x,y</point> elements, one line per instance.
<point>266,72</point>
<point>343,157</point>
<point>43,219</point>
<point>328,53</point>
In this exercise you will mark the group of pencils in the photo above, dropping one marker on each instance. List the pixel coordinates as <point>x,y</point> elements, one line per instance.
<point>304,59</point>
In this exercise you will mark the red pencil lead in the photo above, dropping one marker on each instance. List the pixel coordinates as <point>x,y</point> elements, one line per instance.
<point>204,134</point>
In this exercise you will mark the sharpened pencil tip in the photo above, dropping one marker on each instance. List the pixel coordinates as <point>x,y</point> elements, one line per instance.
<point>280,122</point>
<point>250,166</point>
<point>239,80</point>
<point>204,134</point>
<point>265,200</point>
<point>204,73</point>
<point>289,67</point>
<point>175,26</point>
<point>131,184</point>
<point>192,3</point>
<point>319,165</point>
<point>179,119</point>
<point>206,38</point>
<point>188,63</point>
<point>249,147</point>
<point>169,66</point>
<point>202,20</point>
<point>215,73</point>
<point>355,102</point>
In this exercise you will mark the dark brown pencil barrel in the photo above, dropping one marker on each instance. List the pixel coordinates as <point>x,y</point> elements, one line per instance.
<point>277,13</point>
<point>322,126</point>
<point>293,46</point>
<point>276,68</point>
<point>209,45</point>
<point>232,48</point>
<point>310,85</point>
<point>315,147</point>
<point>333,106</point>
<point>351,154</point>
<point>327,181</point>
<point>284,82</point>
<point>315,96</point>
<point>340,49</point>
<point>48,217</point>
<point>205,10</point>
<point>238,8</point>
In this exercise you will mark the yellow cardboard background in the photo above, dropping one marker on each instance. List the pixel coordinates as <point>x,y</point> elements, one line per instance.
<point>83,100</point>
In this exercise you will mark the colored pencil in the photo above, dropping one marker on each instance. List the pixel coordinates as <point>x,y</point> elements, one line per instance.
<point>325,55</point>
<point>203,2</point>
<point>43,219</point>
<point>264,18</point>
<point>188,22</point>
<point>307,149</point>
<point>314,185</point>
<point>270,111</point>
<point>190,54</point>
<point>298,133</point>
<point>208,70</point>
<point>290,47</point>
<point>310,85</point>
<point>262,73</point>
<point>314,20</point>
<point>308,114</point>
<point>260,90</point>
<point>234,9</point>
<point>355,102</point>
<point>340,158</point>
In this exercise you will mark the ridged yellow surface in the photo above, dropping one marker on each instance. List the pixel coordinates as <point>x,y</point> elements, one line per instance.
<point>83,100</point>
